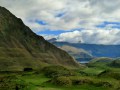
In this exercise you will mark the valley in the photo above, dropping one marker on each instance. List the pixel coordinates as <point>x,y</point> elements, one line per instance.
<point>29,62</point>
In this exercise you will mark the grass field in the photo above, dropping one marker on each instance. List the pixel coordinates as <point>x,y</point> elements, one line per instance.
<point>60,78</point>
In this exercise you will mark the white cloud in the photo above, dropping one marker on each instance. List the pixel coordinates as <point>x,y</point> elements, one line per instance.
<point>74,36</point>
<point>91,36</point>
<point>76,14</point>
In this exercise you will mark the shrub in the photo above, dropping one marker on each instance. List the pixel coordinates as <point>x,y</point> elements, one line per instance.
<point>6,84</point>
<point>118,88</point>
<point>20,86</point>
<point>103,84</point>
<point>56,71</point>
<point>81,81</point>
<point>115,63</point>
<point>62,81</point>
<point>115,75</point>
<point>112,74</point>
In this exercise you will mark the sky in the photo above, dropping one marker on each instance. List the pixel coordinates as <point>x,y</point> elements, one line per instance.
<point>88,21</point>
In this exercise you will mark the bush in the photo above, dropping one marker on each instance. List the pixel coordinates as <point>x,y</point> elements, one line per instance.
<point>81,81</point>
<point>112,74</point>
<point>6,83</point>
<point>56,71</point>
<point>20,86</point>
<point>62,81</point>
<point>118,88</point>
<point>103,84</point>
<point>115,63</point>
<point>115,75</point>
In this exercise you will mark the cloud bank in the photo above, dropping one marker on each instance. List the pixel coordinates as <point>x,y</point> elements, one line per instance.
<point>92,37</point>
<point>71,15</point>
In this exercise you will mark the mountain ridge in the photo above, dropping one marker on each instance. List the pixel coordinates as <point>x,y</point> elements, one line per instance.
<point>96,50</point>
<point>20,47</point>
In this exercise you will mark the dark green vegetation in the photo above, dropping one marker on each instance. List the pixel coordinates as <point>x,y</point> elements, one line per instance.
<point>61,78</point>
<point>21,48</point>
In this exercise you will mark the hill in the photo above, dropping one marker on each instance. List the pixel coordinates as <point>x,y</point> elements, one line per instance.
<point>79,54</point>
<point>21,48</point>
<point>96,50</point>
<point>115,63</point>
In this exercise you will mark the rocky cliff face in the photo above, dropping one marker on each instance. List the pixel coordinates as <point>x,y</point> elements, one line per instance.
<point>21,48</point>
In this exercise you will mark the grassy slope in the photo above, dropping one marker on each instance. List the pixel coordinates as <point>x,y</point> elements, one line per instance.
<point>38,80</point>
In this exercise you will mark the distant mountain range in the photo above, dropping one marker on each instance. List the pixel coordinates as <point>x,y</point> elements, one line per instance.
<point>93,50</point>
<point>21,48</point>
<point>79,54</point>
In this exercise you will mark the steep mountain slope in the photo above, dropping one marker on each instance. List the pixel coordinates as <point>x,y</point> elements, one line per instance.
<point>95,50</point>
<point>21,48</point>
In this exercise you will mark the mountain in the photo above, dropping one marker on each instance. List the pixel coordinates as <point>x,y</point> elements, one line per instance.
<point>96,50</point>
<point>79,54</point>
<point>52,40</point>
<point>21,48</point>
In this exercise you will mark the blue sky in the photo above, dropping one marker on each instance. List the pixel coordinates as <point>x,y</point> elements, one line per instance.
<point>41,22</point>
<point>107,23</point>
<point>91,21</point>
<point>50,32</point>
